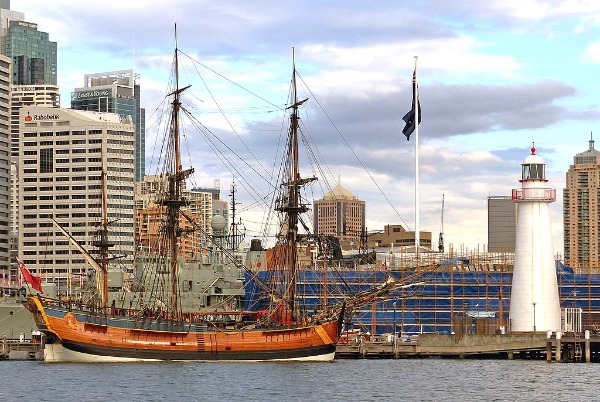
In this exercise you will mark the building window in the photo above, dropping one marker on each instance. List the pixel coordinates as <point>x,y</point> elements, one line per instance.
<point>46,160</point>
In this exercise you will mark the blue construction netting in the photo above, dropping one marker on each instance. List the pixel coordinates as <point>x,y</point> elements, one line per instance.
<point>430,306</point>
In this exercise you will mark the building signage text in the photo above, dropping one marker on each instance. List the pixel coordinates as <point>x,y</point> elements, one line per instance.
<point>43,116</point>
<point>91,94</point>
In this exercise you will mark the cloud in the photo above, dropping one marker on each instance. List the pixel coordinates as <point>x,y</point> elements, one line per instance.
<point>592,52</point>
<point>483,94</point>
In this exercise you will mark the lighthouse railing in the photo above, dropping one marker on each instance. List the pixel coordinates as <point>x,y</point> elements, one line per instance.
<point>534,194</point>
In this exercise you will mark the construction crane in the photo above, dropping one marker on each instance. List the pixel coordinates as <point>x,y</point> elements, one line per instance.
<point>441,239</point>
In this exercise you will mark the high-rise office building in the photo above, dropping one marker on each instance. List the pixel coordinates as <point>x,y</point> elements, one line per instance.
<point>33,66</point>
<point>7,15</point>
<point>342,215</point>
<point>116,92</point>
<point>63,155</point>
<point>581,216</point>
<point>34,77</point>
<point>203,204</point>
<point>33,54</point>
<point>502,224</point>
<point>5,68</point>
<point>25,96</point>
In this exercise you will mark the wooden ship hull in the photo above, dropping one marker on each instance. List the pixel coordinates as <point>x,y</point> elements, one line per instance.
<point>76,335</point>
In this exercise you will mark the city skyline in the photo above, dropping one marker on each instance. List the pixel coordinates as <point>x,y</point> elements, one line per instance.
<point>493,78</point>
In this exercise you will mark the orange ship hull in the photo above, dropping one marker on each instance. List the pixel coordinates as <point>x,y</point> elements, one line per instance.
<point>79,335</point>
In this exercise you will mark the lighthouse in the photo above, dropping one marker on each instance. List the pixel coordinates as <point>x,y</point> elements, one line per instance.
<point>534,301</point>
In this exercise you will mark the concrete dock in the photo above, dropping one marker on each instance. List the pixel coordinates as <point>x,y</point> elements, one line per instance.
<point>571,347</point>
<point>17,350</point>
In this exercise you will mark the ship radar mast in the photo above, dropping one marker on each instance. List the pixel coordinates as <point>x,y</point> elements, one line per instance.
<point>237,230</point>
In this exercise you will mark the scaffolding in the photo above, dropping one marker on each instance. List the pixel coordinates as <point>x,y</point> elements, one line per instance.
<point>459,295</point>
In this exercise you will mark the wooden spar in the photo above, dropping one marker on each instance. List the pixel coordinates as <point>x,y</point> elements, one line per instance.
<point>88,257</point>
<point>104,238</point>
<point>293,206</point>
<point>173,220</point>
<point>292,252</point>
<point>174,201</point>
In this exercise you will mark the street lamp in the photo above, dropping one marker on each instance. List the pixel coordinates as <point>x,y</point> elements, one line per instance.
<point>534,317</point>
<point>395,332</point>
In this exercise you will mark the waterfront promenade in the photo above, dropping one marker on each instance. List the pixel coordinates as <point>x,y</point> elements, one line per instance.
<point>570,347</point>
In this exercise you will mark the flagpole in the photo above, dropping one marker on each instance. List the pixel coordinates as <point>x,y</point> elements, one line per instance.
<point>417,231</point>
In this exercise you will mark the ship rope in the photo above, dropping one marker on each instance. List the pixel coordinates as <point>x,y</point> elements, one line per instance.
<point>316,159</point>
<point>254,177</point>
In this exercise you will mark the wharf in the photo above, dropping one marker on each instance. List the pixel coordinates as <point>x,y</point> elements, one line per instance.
<point>573,347</point>
<point>526,345</point>
<point>17,350</point>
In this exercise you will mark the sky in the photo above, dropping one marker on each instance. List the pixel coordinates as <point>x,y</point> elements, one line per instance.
<point>494,77</point>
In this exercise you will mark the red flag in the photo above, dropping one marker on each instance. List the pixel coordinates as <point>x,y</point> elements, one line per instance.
<point>35,281</point>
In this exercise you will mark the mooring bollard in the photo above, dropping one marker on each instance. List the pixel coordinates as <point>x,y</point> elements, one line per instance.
<point>558,345</point>
<point>588,353</point>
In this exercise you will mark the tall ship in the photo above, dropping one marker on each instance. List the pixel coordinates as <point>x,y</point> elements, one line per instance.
<point>155,326</point>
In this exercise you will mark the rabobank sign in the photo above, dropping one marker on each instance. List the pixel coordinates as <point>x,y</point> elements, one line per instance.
<point>46,116</point>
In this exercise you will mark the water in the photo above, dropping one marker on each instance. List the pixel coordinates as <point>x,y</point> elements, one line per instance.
<point>342,380</point>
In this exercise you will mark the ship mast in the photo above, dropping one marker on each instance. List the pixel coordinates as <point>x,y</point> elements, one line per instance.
<point>174,200</point>
<point>292,206</point>
<point>235,235</point>
<point>102,241</point>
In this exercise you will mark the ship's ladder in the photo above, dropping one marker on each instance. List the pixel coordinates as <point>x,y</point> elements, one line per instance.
<point>200,341</point>
<point>577,345</point>
<point>214,279</point>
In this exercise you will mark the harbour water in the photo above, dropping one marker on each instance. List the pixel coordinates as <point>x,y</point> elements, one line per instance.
<point>342,380</point>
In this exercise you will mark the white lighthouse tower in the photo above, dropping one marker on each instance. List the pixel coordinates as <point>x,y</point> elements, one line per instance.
<point>534,301</point>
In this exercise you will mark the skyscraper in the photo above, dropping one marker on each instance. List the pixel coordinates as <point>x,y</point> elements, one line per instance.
<point>34,77</point>
<point>64,155</point>
<point>32,52</point>
<point>581,200</point>
<point>4,163</point>
<point>342,215</point>
<point>116,92</point>
<point>33,66</point>
<point>7,15</point>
